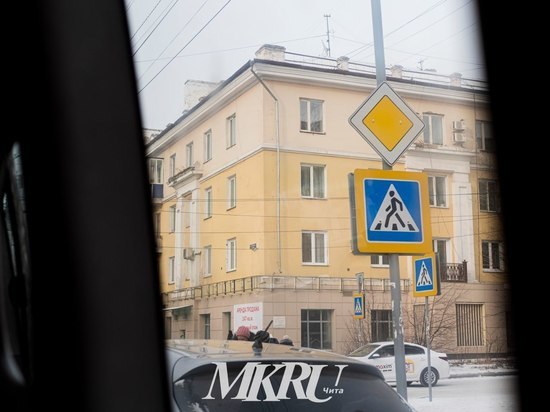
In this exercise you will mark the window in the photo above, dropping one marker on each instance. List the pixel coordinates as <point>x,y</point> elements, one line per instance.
<point>492,254</point>
<point>189,155</point>
<point>208,146</point>
<point>208,203</point>
<point>484,136</point>
<point>157,225</point>
<point>489,199</point>
<point>437,188</point>
<point>205,321</point>
<point>231,131</point>
<point>313,181</point>
<point>469,325</point>
<point>311,115</point>
<point>433,128</point>
<point>231,192</point>
<point>440,248</point>
<point>314,248</point>
<point>379,260</point>
<point>317,328</point>
<point>172,214</point>
<point>414,350</point>
<point>173,165</point>
<point>171,269</point>
<point>231,254</point>
<point>207,253</point>
<point>381,325</point>
<point>155,171</point>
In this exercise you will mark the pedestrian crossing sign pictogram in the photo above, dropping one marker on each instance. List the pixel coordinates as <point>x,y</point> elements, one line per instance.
<point>359,305</point>
<point>391,212</point>
<point>425,276</point>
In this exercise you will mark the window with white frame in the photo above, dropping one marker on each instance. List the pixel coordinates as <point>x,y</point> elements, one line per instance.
<point>231,251</point>
<point>314,248</point>
<point>311,115</point>
<point>489,199</point>
<point>208,146</point>
<point>313,181</point>
<point>433,128</point>
<point>231,123</point>
<point>171,269</point>
<point>492,255</point>
<point>207,260</point>
<point>172,165</point>
<point>189,155</point>
<point>379,260</point>
<point>172,218</point>
<point>155,171</point>
<point>231,192</point>
<point>316,328</point>
<point>484,136</point>
<point>208,203</point>
<point>437,188</point>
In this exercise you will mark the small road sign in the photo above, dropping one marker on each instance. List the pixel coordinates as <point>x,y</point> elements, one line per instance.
<point>387,123</point>
<point>358,305</point>
<point>392,212</point>
<point>425,276</point>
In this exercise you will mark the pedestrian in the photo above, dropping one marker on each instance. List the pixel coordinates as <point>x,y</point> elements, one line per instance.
<point>286,341</point>
<point>243,333</point>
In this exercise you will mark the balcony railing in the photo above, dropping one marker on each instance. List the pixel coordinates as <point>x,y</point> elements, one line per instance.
<point>454,272</point>
<point>288,282</point>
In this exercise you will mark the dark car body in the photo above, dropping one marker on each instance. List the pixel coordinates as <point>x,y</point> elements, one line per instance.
<point>225,375</point>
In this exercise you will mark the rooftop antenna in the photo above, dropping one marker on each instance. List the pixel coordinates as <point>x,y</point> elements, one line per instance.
<point>326,16</point>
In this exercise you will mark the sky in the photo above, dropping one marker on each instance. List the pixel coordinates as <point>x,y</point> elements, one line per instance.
<point>179,40</point>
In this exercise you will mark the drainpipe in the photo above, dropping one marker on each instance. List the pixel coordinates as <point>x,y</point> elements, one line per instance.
<point>278,157</point>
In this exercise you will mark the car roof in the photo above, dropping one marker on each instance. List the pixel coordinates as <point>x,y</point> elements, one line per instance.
<point>198,352</point>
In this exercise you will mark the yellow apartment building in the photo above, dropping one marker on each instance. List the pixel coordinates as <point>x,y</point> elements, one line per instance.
<point>252,213</point>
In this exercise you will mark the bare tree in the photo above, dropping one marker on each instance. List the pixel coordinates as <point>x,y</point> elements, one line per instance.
<point>359,331</point>
<point>442,323</point>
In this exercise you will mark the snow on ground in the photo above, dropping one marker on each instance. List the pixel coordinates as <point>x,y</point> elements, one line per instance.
<point>479,394</point>
<point>481,369</point>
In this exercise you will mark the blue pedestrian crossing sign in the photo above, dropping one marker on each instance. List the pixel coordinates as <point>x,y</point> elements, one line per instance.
<point>392,212</point>
<point>425,276</point>
<point>359,305</point>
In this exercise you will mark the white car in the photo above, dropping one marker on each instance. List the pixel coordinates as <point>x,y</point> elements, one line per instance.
<point>381,355</point>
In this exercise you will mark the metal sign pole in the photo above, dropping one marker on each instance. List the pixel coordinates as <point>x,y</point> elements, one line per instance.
<point>399,347</point>
<point>427,323</point>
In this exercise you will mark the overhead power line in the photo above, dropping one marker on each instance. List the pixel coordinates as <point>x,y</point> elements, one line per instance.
<point>185,45</point>
<point>173,38</point>
<point>145,20</point>
<point>154,28</point>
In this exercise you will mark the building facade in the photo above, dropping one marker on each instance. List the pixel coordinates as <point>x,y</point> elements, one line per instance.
<point>252,213</point>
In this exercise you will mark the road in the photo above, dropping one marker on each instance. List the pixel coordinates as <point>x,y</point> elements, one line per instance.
<point>481,394</point>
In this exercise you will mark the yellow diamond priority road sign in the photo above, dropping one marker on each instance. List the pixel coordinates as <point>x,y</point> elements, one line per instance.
<point>387,123</point>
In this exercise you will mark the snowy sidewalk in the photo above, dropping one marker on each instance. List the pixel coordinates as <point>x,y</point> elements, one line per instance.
<point>468,370</point>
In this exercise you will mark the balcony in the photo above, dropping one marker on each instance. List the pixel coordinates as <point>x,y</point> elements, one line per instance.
<point>270,283</point>
<point>454,272</point>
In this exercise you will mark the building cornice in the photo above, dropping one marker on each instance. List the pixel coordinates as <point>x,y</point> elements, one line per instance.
<point>243,80</point>
<point>362,82</point>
